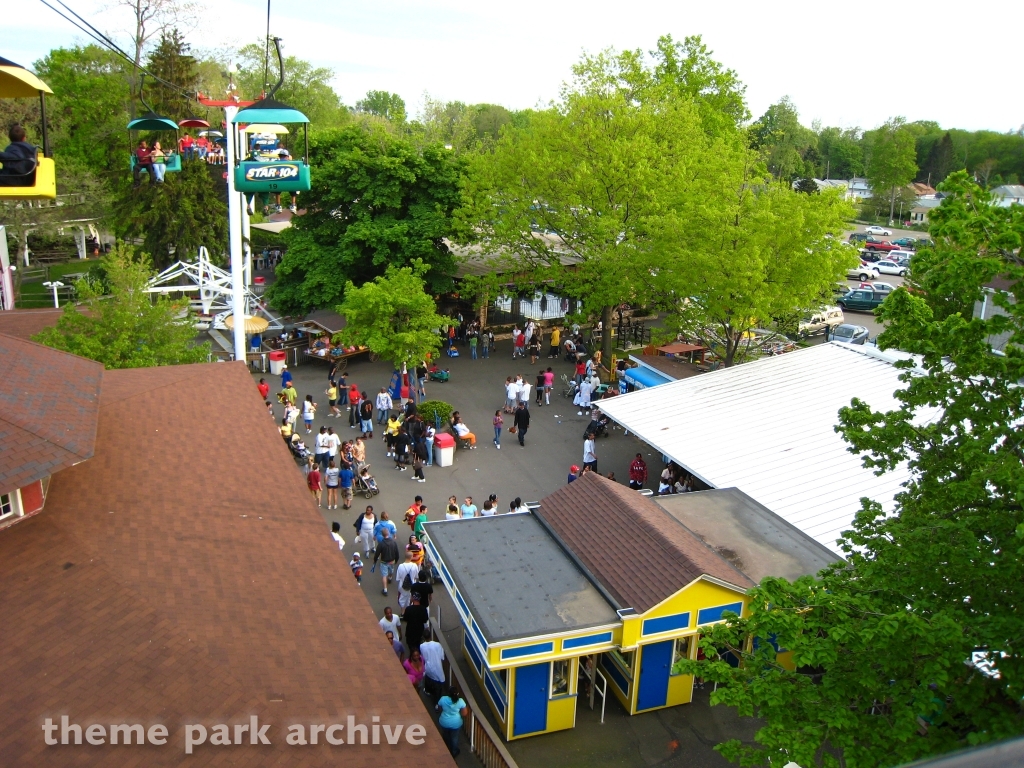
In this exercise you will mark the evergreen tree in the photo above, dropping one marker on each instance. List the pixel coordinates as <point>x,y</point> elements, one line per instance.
<point>172,62</point>
<point>941,161</point>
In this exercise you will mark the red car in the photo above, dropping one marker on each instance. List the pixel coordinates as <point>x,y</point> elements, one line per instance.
<point>882,245</point>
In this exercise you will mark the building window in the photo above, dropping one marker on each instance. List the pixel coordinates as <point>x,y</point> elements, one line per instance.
<point>624,659</point>
<point>6,505</point>
<point>560,677</point>
<point>501,675</point>
<point>681,650</point>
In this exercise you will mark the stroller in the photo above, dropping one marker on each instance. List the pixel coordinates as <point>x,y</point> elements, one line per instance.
<point>570,387</point>
<point>598,425</point>
<point>438,374</point>
<point>365,484</point>
<point>299,450</point>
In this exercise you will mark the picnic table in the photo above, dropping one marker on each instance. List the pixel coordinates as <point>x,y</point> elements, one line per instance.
<point>342,359</point>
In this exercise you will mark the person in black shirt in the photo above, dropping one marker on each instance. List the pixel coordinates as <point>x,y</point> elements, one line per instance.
<point>387,554</point>
<point>540,387</point>
<point>366,416</point>
<point>522,423</point>
<point>401,449</point>
<point>423,588</point>
<point>415,618</point>
<point>19,160</point>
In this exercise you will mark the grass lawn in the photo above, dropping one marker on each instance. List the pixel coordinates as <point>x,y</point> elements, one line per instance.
<point>34,294</point>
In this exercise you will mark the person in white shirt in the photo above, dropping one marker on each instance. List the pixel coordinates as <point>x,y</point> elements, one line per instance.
<point>530,328</point>
<point>515,335</point>
<point>433,668</point>
<point>366,525</point>
<point>488,510</point>
<point>333,444</point>
<point>590,452</point>
<point>336,534</point>
<point>410,569</point>
<point>322,448</point>
<point>391,623</point>
<point>524,392</point>
<point>511,394</point>
<point>384,406</point>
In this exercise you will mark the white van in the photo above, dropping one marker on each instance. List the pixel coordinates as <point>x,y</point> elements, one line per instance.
<point>820,321</point>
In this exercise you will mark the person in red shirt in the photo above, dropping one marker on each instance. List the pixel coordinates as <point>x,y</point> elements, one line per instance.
<point>637,473</point>
<point>143,162</point>
<point>185,146</point>
<point>581,371</point>
<point>314,483</point>
<point>264,388</point>
<point>203,146</point>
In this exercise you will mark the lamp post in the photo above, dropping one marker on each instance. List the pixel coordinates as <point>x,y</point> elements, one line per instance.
<point>56,285</point>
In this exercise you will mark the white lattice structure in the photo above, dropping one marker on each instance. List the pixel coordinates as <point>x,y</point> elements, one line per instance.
<point>214,287</point>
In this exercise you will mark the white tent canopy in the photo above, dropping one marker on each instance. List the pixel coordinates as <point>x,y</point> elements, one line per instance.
<point>767,428</point>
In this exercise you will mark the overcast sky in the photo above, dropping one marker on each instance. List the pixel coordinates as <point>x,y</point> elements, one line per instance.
<point>853,64</point>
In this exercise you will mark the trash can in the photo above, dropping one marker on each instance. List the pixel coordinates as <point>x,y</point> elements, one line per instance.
<point>277,358</point>
<point>259,284</point>
<point>444,449</point>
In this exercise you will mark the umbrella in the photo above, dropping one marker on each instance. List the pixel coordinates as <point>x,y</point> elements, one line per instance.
<point>193,122</point>
<point>274,128</point>
<point>252,324</point>
<point>210,133</point>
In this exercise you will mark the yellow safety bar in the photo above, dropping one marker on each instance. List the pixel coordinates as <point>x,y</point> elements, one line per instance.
<point>44,188</point>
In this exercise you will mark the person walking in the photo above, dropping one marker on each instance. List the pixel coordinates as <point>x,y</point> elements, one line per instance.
<point>331,481</point>
<point>354,398</point>
<point>590,453</point>
<point>320,448</point>
<point>384,524</point>
<point>549,383</point>
<point>520,345</point>
<point>498,422</point>
<point>387,554</point>
<point>286,377</point>
<point>433,669</point>
<point>365,525</point>
<point>485,343</point>
<point>391,623</point>
<point>313,482</point>
<point>473,343</point>
<point>419,453</point>
<point>286,431</point>
<point>637,473</point>
<point>524,392</point>
<point>416,619</point>
<point>405,577</point>
<point>453,709</point>
<point>333,444</point>
<point>556,337</point>
<point>332,399</point>
<point>540,387</point>
<point>401,449</point>
<point>393,428</point>
<point>384,406</point>
<point>264,389</point>
<point>346,477</point>
<point>366,417</point>
<point>521,422</point>
<point>511,394</point>
<point>534,347</point>
<point>308,412</point>
<point>428,438</point>
<point>516,333</point>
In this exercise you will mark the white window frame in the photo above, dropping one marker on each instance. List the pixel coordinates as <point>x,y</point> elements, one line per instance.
<point>570,683</point>
<point>13,505</point>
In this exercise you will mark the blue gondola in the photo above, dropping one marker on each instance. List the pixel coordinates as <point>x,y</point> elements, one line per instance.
<point>154,123</point>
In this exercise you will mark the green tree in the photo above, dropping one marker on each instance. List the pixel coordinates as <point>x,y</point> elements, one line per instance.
<point>892,163</point>
<point>376,201</point>
<point>129,328</point>
<point>489,120</point>
<point>747,251</point>
<point>783,142</point>
<point>390,106</point>
<point>841,153</point>
<point>174,218</point>
<point>913,646</point>
<point>450,124</point>
<point>393,315</point>
<point>941,161</point>
<point>172,62</point>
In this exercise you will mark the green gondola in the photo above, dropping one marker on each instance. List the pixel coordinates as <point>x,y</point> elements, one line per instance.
<point>151,122</point>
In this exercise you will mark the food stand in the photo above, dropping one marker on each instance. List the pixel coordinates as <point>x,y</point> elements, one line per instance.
<point>319,327</point>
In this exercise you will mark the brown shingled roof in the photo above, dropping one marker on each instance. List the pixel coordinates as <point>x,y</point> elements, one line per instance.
<point>49,401</point>
<point>26,323</point>
<point>183,575</point>
<point>638,552</point>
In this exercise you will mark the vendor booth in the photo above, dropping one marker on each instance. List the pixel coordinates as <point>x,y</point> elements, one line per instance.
<point>590,602</point>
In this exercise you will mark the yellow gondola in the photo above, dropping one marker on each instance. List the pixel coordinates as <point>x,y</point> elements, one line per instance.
<point>40,183</point>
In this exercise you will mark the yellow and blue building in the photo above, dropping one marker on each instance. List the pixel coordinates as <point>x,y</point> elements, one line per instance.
<point>604,576</point>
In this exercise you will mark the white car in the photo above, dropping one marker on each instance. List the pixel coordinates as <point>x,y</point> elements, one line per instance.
<point>879,287</point>
<point>887,267</point>
<point>863,273</point>
<point>875,230</point>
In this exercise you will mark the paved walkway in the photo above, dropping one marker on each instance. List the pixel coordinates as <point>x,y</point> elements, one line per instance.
<point>677,736</point>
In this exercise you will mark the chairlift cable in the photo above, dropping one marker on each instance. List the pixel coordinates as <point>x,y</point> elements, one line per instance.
<point>266,52</point>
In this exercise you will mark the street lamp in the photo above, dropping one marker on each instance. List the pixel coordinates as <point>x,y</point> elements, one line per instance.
<point>56,285</point>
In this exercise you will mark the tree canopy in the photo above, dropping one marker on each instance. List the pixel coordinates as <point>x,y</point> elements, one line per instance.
<point>912,647</point>
<point>393,315</point>
<point>892,164</point>
<point>390,106</point>
<point>128,328</point>
<point>376,201</point>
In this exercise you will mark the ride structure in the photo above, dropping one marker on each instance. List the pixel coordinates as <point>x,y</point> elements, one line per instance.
<point>40,183</point>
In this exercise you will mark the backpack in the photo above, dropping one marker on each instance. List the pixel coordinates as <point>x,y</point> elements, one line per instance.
<point>407,583</point>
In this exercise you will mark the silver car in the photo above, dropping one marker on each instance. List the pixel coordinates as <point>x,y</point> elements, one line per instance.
<point>849,334</point>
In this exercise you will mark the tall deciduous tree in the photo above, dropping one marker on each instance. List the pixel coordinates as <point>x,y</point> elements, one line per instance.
<point>376,201</point>
<point>913,646</point>
<point>893,160</point>
<point>393,315</point>
<point>783,141</point>
<point>129,328</point>
<point>384,104</point>
<point>306,88</point>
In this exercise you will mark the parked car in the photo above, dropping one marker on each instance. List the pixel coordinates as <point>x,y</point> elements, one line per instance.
<point>848,334</point>
<point>863,299</point>
<point>864,272</point>
<point>820,321</point>
<point>882,245</point>
<point>910,243</point>
<point>887,267</point>
<point>858,237</point>
<point>878,287</point>
<point>900,256</point>
<point>874,230</point>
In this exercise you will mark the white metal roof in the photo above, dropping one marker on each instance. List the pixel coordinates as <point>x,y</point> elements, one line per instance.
<point>766,428</point>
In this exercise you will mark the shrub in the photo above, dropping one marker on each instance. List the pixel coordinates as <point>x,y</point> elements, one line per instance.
<point>437,411</point>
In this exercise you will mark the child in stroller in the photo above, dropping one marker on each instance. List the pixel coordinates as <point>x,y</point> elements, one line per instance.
<point>438,374</point>
<point>598,425</point>
<point>299,450</point>
<point>365,483</point>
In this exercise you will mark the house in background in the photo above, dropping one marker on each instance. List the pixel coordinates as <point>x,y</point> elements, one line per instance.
<point>1008,194</point>
<point>924,206</point>
<point>858,189</point>
<point>988,308</point>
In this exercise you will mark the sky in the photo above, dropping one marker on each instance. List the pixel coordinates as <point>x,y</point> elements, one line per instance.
<point>851,65</point>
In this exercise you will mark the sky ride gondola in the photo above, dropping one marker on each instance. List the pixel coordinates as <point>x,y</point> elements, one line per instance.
<point>151,122</point>
<point>273,175</point>
<point>40,182</point>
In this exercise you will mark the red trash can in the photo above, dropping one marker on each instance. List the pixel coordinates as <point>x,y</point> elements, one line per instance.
<point>444,449</point>
<point>276,358</point>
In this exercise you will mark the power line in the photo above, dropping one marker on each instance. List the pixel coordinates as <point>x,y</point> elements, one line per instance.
<point>106,42</point>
